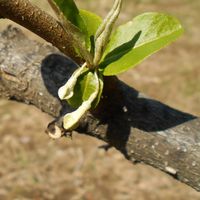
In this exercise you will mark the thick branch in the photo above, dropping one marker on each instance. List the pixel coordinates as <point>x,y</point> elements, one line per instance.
<point>142,129</point>
<point>33,18</point>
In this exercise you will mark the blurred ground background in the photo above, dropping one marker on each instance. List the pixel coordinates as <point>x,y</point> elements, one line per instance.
<point>34,167</point>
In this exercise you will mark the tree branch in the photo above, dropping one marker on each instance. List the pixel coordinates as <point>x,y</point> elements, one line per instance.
<point>142,129</point>
<point>39,22</point>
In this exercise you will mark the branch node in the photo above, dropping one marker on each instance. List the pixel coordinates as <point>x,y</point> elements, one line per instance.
<point>55,130</point>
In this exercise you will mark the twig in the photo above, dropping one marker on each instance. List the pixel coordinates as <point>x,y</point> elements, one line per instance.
<point>39,22</point>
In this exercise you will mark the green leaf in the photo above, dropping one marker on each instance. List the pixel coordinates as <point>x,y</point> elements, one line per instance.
<point>133,42</point>
<point>92,22</point>
<point>71,12</point>
<point>86,21</point>
<point>86,84</point>
<point>89,94</point>
<point>74,26</point>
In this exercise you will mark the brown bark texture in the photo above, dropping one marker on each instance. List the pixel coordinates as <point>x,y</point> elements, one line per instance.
<point>39,22</point>
<point>142,129</point>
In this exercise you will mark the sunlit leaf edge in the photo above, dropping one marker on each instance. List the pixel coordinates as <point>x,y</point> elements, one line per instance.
<point>111,69</point>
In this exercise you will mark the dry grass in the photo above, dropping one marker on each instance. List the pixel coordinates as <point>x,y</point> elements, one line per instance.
<point>34,167</point>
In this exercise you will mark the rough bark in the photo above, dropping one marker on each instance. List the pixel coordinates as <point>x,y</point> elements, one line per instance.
<point>39,22</point>
<point>141,128</point>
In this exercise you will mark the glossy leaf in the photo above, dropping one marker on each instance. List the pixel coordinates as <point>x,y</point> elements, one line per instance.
<point>89,94</point>
<point>133,42</point>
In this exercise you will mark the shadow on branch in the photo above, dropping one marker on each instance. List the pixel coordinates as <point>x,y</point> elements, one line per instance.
<point>122,108</point>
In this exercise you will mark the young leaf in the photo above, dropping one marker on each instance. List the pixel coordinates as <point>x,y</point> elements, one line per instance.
<point>92,22</point>
<point>74,26</point>
<point>71,12</point>
<point>133,42</point>
<point>90,93</point>
<point>103,33</point>
<point>67,90</point>
<point>85,86</point>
